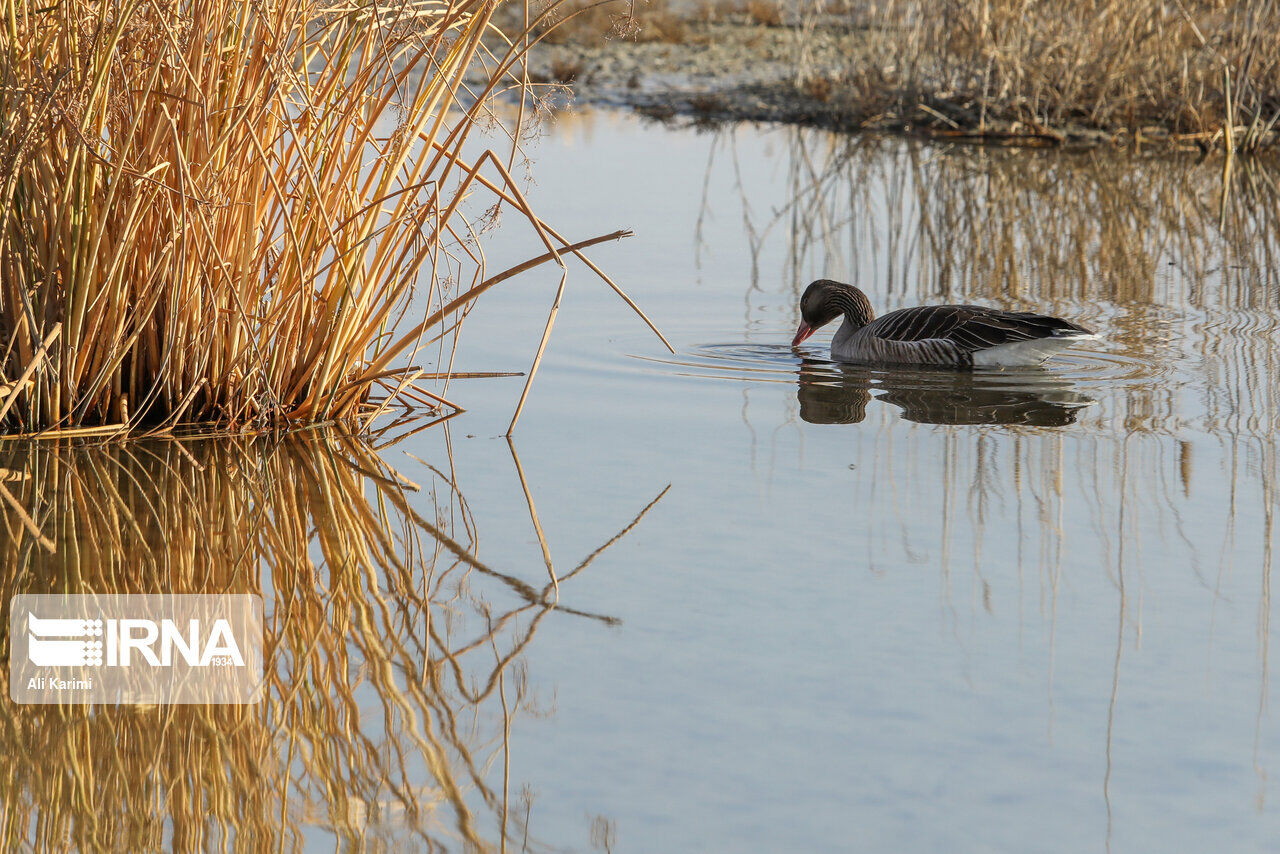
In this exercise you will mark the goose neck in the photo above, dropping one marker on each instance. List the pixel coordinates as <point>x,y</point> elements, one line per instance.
<point>854,305</point>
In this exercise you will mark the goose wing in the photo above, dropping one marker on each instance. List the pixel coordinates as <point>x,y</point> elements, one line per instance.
<point>970,328</point>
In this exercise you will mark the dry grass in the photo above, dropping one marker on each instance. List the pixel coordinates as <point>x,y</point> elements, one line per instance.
<point>767,13</point>
<point>394,668</point>
<point>1200,68</point>
<point>222,212</point>
<point>1204,72</point>
<point>714,11</point>
<point>819,88</point>
<point>592,22</point>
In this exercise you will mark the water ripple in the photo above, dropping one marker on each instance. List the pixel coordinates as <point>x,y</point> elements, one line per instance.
<point>832,392</point>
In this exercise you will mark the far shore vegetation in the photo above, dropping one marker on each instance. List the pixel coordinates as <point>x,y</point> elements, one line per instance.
<point>1190,73</point>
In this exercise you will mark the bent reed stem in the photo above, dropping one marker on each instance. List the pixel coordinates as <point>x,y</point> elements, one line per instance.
<point>229,209</point>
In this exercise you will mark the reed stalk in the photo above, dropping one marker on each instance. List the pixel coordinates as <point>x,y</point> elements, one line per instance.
<point>223,212</point>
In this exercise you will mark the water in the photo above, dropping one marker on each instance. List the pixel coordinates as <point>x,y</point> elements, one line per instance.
<point>836,608</point>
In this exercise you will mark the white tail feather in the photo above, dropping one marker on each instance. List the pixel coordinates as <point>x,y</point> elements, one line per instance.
<point>1020,354</point>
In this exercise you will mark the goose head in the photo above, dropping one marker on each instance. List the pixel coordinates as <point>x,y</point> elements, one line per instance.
<point>825,300</point>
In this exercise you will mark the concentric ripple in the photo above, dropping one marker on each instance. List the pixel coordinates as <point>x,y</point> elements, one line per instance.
<point>771,362</point>
<point>831,392</point>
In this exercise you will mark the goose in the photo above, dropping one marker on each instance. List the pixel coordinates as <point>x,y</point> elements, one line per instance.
<point>947,336</point>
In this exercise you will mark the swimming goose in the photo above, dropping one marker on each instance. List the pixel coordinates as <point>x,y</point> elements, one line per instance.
<point>950,336</point>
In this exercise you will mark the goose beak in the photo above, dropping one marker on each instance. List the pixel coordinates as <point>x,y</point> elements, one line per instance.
<point>802,333</point>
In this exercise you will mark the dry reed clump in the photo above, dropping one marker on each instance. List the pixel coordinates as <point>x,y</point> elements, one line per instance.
<point>222,212</point>
<point>1202,69</point>
<point>395,660</point>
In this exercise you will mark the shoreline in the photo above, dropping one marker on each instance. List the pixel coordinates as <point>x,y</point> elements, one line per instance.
<point>735,69</point>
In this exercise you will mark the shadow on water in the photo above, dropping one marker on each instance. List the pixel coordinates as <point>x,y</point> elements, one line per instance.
<point>838,394</point>
<point>835,393</point>
<point>395,656</point>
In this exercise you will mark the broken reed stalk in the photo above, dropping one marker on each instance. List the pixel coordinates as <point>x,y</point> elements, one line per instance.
<point>228,208</point>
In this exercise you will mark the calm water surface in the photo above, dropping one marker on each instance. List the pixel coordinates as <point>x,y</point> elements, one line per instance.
<point>801,607</point>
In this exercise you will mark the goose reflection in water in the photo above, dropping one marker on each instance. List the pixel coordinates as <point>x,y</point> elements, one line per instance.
<point>839,394</point>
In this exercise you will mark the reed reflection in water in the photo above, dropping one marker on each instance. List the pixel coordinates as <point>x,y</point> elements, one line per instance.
<point>1173,259</point>
<point>395,656</point>
<point>1167,478</point>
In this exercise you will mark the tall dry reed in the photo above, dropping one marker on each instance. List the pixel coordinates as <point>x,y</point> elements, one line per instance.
<point>221,212</point>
